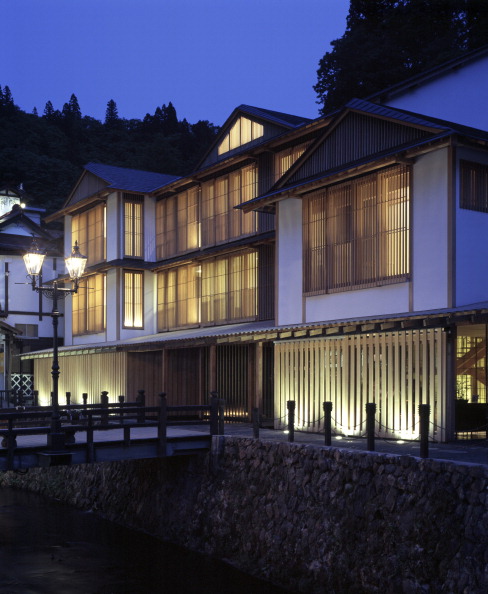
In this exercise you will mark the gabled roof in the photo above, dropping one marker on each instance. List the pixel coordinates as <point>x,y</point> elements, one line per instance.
<point>129,180</point>
<point>278,117</point>
<point>409,130</point>
<point>429,75</point>
<point>278,123</point>
<point>18,217</point>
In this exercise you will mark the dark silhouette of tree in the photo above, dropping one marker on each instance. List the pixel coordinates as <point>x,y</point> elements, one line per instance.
<point>111,114</point>
<point>47,153</point>
<point>387,41</point>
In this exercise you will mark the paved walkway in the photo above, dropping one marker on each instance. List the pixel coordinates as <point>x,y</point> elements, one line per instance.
<point>465,451</point>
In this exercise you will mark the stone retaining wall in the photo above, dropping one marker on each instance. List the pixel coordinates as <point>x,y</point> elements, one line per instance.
<point>314,520</point>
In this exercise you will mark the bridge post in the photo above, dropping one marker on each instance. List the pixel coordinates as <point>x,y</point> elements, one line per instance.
<point>35,393</point>
<point>84,397</point>
<point>141,402</point>
<point>370,413</point>
<point>327,423</point>
<point>104,406</point>
<point>68,398</point>
<point>424,413</point>
<point>255,422</point>
<point>290,404</point>
<point>121,404</point>
<point>90,450</point>
<point>162,424</point>
<point>214,413</point>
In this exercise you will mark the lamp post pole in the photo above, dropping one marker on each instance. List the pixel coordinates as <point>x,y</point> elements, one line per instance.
<point>76,265</point>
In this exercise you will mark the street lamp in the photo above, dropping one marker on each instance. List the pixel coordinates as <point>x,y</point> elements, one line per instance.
<point>75,264</point>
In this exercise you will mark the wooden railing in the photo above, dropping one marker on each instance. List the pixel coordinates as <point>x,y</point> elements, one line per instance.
<point>37,420</point>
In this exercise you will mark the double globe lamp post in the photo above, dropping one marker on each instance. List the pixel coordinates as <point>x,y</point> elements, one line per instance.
<point>75,264</point>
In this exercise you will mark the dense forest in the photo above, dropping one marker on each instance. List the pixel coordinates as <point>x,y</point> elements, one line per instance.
<point>388,41</point>
<point>45,153</point>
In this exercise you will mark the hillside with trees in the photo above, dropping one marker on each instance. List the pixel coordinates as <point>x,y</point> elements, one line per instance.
<point>45,153</point>
<point>388,41</point>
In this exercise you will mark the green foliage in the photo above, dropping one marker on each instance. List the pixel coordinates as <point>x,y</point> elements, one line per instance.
<point>47,154</point>
<point>387,41</point>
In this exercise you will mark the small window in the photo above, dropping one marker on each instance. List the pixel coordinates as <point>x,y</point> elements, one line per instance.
<point>474,186</point>
<point>27,330</point>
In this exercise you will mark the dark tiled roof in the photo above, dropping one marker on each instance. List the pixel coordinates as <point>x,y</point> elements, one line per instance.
<point>130,180</point>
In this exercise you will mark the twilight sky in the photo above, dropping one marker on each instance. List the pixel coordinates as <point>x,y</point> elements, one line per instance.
<point>205,56</point>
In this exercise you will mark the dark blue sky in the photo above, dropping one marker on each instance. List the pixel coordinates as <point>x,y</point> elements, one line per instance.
<point>205,56</point>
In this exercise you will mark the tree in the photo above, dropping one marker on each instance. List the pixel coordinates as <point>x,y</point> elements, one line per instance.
<point>387,41</point>
<point>111,113</point>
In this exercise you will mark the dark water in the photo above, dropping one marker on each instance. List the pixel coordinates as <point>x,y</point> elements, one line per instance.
<point>49,548</point>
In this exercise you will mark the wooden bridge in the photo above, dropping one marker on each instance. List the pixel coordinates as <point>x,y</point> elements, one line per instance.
<point>106,432</point>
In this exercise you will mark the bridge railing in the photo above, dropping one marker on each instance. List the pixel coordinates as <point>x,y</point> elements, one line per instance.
<point>107,417</point>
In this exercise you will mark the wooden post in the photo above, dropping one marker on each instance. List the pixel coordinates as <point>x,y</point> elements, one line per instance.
<point>68,398</point>
<point>104,411</point>
<point>424,413</point>
<point>327,423</point>
<point>90,451</point>
<point>370,413</point>
<point>255,422</point>
<point>214,413</point>
<point>84,397</point>
<point>221,403</point>
<point>35,393</point>
<point>141,403</point>
<point>291,420</point>
<point>121,405</point>
<point>162,424</point>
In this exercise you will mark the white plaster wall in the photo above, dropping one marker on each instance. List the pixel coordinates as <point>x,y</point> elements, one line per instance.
<point>149,229</point>
<point>471,244</point>
<point>113,303</point>
<point>430,232</point>
<point>114,216</point>
<point>389,299</point>
<point>448,97</point>
<point>289,258</point>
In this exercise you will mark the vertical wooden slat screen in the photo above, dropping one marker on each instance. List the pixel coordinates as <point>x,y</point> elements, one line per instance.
<point>88,229</point>
<point>83,373</point>
<point>398,371</point>
<point>232,379</point>
<point>356,233</point>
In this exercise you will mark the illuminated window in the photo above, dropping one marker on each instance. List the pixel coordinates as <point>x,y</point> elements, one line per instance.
<point>89,305</point>
<point>133,299</point>
<point>243,131</point>
<point>229,288</point>
<point>133,226</point>
<point>286,158</point>
<point>88,228</point>
<point>356,234</point>
<point>177,228</point>
<point>220,220</point>
<point>474,186</point>
<point>178,297</point>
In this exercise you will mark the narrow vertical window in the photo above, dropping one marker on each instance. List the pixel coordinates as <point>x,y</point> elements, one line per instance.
<point>133,299</point>
<point>133,226</point>
<point>88,229</point>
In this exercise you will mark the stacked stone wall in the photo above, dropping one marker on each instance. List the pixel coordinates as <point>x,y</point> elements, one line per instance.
<point>314,520</point>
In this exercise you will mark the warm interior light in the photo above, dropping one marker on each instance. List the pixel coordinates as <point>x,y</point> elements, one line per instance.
<point>34,259</point>
<point>76,263</point>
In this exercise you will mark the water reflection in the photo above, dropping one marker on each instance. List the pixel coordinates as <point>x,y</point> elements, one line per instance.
<point>49,548</point>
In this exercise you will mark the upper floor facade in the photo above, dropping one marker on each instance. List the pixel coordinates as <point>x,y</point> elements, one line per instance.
<point>167,253</point>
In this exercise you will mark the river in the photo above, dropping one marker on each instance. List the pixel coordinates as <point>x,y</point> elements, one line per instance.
<point>51,548</point>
